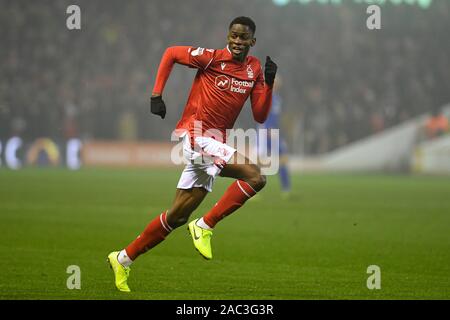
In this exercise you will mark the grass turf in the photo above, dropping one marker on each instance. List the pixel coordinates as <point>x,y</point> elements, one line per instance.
<point>317,245</point>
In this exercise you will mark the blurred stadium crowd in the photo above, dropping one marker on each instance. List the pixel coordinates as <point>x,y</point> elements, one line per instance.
<point>341,81</point>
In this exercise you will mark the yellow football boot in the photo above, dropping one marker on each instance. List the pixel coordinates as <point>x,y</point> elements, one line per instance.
<point>201,238</point>
<point>121,273</point>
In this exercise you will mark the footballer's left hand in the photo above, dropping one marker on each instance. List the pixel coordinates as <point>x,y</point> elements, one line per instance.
<point>270,71</point>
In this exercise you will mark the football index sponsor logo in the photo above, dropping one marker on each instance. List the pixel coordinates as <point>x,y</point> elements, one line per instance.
<point>239,86</point>
<point>222,82</point>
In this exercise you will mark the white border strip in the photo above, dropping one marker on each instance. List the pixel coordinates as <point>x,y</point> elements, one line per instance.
<point>242,189</point>
<point>165,225</point>
<point>209,63</point>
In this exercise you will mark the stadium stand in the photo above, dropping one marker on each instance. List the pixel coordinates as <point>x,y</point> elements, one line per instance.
<point>343,82</point>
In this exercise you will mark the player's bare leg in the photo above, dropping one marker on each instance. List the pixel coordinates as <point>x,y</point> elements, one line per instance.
<point>185,202</point>
<point>240,167</point>
<point>249,182</point>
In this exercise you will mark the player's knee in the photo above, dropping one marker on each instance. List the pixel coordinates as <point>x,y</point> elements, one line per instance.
<point>176,220</point>
<point>260,182</point>
<point>255,179</point>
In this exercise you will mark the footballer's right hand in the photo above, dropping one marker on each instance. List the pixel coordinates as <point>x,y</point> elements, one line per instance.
<point>157,106</point>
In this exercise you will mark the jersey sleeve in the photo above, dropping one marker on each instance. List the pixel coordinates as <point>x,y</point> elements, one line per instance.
<point>201,58</point>
<point>259,82</point>
<point>261,98</point>
<point>193,57</point>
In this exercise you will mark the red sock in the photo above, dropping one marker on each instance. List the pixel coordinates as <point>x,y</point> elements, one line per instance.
<point>235,196</point>
<point>155,232</point>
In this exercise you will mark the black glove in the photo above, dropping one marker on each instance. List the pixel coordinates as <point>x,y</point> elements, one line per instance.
<point>270,71</point>
<point>157,106</point>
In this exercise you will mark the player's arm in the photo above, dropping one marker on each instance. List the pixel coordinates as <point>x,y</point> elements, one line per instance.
<point>188,56</point>
<point>171,56</point>
<point>261,96</point>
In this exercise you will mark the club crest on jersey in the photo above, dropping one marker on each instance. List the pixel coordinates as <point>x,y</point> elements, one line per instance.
<point>249,71</point>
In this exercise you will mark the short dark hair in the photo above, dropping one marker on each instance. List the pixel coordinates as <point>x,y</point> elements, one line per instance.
<point>246,21</point>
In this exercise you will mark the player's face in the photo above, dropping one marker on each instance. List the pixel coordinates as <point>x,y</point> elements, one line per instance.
<point>240,39</point>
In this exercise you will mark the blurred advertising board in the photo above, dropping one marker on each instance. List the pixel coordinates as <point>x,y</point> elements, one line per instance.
<point>16,153</point>
<point>126,154</point>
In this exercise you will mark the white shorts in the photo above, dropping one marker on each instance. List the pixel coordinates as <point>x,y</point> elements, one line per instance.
<point>201,171</point>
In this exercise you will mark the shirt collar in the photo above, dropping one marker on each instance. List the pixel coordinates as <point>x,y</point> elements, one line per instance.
<point>230,55</point>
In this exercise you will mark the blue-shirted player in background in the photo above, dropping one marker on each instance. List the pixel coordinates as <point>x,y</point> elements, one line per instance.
<point>273,122</point>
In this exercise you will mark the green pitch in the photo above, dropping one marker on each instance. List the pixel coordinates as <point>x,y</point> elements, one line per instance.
<point>317,245</point>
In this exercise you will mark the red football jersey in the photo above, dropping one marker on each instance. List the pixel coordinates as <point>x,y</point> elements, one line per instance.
<point>220,88</point>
